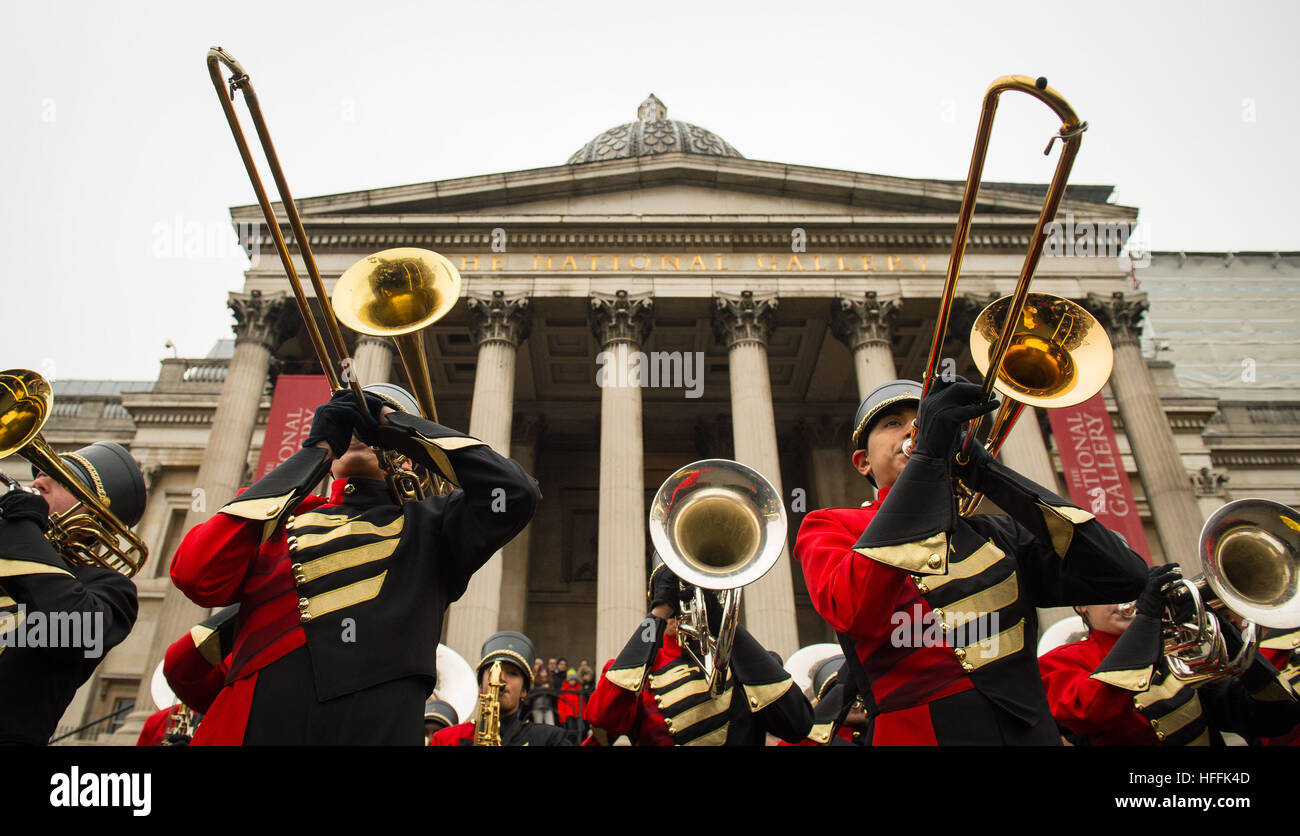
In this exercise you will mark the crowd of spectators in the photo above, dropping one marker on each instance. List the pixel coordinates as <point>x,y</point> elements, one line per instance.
<point>559,694</point>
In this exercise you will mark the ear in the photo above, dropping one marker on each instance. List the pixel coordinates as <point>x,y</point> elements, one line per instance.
<point>860,462</point>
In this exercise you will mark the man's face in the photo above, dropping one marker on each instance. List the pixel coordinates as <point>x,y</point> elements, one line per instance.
<point>883,457</point>
<point>358,460</point>
<point>1107,618</point>
<point>563,666</point>
<point>513,691</point>
<point>550,665</point>
<point>56,496</point>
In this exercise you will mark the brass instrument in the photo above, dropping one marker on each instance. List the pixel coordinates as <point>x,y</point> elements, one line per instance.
<point>88,533</point>
<point>180,720</point>
<point>718,525</point>
<point>1035,348</point>
<point>487,728</point>
<point>394,293</point>
<point>1250,550</point>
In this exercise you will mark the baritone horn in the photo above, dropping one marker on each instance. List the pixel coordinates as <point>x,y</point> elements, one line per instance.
<point>88,533</point>
<point>719,526</point>
<point>1250,550</point>
<point>395,293</point>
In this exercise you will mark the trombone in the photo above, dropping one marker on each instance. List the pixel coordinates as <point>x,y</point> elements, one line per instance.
<point>88,533</point>
<point>1035,348</point>
<point>394,293</point>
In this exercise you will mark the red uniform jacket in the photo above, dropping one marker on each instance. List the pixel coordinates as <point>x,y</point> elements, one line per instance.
<point>616,711</point>
<point>213,568</point>
<point>155,727</point>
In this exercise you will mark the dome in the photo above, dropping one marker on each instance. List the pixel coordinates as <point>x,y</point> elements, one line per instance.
<point>653,133</point>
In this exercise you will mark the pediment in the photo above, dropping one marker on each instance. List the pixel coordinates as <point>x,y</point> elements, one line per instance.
<point>689,185</point>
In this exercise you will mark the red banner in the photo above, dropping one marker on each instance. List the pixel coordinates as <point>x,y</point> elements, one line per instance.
<point>292,407</point>
<point>1094,471</point>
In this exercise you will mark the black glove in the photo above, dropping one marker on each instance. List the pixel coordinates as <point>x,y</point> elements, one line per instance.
<point>338,420</point>
<point>1151,602</point>
<point>943,412</point>
<point>667,588</point>
<point>972,473</point>
<point>22,505</point>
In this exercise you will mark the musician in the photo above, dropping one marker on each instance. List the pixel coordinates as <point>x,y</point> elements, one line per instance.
<point>654,694</point>
<point>935,610</point>
<point>342,599</point>
<point>91,608</point>
<point>195,667</point>
<point>1114,688</point>
<point>512,650</point>
<point>1281,648</point>
<point>438,715</point>
<point>839,718</point>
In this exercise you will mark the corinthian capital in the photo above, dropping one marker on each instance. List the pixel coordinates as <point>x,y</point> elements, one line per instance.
<point>865,320</point>
<point>743,318</point>
<point>500,318</point>
<point>1120,313</point>
<point>621,317</point>
<point>261,317</point>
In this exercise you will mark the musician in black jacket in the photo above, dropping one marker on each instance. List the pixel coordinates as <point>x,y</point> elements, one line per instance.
<point>57,620</point>
<point>657,696</point>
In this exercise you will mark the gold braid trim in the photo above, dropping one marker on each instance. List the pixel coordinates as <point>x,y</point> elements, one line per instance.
<point>94,476</point>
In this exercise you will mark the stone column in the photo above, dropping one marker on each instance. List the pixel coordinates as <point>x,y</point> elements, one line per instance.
<point>1164,478</point>
<point>1025,450</point>
<point>260,321</point>
<point>499,323</point>
<point>866,326</point>
<point>826,443</point>
<point>743,323</point>
<point>514,557</point>
<point>373,361</point>
<point>621,323</point>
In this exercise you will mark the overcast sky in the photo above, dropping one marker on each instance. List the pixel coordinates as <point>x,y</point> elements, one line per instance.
<point>114,147</point>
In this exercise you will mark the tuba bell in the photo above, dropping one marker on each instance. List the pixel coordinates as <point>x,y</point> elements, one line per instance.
<point>719,526</point>
<point>1250,549</point>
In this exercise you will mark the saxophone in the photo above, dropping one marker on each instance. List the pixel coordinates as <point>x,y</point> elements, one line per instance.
<point>487,728</point>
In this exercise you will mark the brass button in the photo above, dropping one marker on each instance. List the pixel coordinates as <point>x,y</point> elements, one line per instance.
<point>1142,684</point>
<point>753,702</point>
<point>1155,725</point>
<point>935,561</point>
<point>1137,706</point>
<point>967,666</point>
<point>303,615</point>
<point>921,587</point>
<point>856,734</point>
<point>959,652</point>
<point>298,575</point>
<point>1160,736</point>
<point>349,488</point>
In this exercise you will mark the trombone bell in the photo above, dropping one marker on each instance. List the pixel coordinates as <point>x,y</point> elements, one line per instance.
<point>395,292</point>
<point>1251,553</point>
<point>1059,355</point>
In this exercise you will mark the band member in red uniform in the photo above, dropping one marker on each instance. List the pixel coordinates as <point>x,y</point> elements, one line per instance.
<point>342,600</point>
<point>438,715</point>
<point>512,650</point>
<point>936,611</point>
<point>839,718</point>
<point>82,612</point>
<point>655,695</point>
<point>195,667</point>
<point>1282,649</point>
<point>1114,688</point>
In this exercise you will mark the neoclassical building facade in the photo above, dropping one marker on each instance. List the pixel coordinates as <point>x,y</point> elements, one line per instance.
<point>655,300</point>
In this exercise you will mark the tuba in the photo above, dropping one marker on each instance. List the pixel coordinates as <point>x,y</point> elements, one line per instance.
<point>1250,549</point>
<point>87,534</point>
<point>718,525</point>
<point>394,293</point>
<point>1035,348</point>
